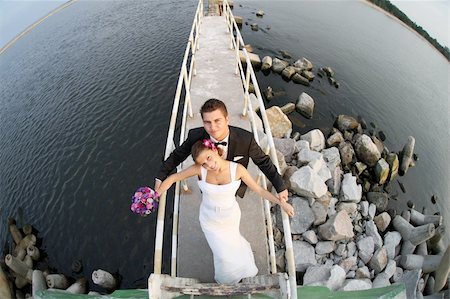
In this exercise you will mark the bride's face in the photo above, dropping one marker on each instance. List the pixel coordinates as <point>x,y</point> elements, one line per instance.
<point>209,159</point>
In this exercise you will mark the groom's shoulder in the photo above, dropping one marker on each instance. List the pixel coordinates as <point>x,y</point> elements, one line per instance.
<point>242,133</point>
<point>196,132</point>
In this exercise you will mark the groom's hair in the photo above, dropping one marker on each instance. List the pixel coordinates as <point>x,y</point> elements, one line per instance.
<point>212,105</point>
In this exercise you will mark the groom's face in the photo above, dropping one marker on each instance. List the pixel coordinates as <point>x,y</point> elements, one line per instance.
<point>216,124</point>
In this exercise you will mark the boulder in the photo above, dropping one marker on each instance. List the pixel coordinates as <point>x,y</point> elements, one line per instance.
<point>367,151</point>
<point>379,199</point>
<point>406,155</point>
<point>381,171</point>
<point>260,13</point>
<point>335,139</point>
<point>356,285</point>
<point>371,230</point>
<point>338,227</point>
<point>381,281</point>
<point>299,79</point>
<point>391,241</point>
<point>305,182</point>
<point>279,123</point>
<point>320,167</point>
<point>411,279</point>
<point>238,20</point>
<point>379,260</point>
<point>281,162</point>
<point>382,221</point>
<point>301,224</point>
<point>254,59</point>
<point>362,272</point>
<point>303,64</point>
<point>266,63</point>
<point>392,160</point>
<point>349,207</point>
<point>350,190</point>
<point>310,236</point>
<point>332,157</point>
<point>315,138</point>
<point>348,264</point>
<point>364,208</point>
<point>288,72</point>
<point>301,145</point>
<point>308,75</point>
<point>346,151</point>
<point>304,255</point>
<point>279,65</point>
<point>288,108</point>
<point>305,105</point>
<point>366,247</point>
<point>334,185</point>
<point>325,247</point>
<point>305,156</point>
<point>286,146</point>
<point>346,123</point>
<point>337,278</point>
<point>320,213</point>
<point>254,26</point>
<point>317,275</point>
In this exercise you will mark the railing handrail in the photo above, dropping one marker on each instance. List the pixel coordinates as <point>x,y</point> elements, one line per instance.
<point>183,79</point>
<point>273,155</point>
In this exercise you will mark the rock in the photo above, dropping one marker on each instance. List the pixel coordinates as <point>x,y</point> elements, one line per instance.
<point>366,248</point>
<point>443,271</point>
<point>334,185</point>
<point>411,279</point>
<point>372,211</point>
<point>305,105</point>
<point>288,72</point>
<point>360,167</point>
<point>266,63</point>
<point>280,259</point>
<point>299,79</point>
<point>351,248</point>
<point>338,227</point>
<point>392,160</point>
<point>317,274</point>
<point>304,255</point>
<point>381,171</point>
<point>324,247</point>
<point>289,171</point>
<point>406,156</point>
<point>104,279</point>
<point>254,60</point>
<point>301,145</point>
<point>348,263</point>
<point>301,224</point>
<point>279,65</point>
<point>279,123</point>
<point>260,13</point>
<point>320,167</point>
<point>305,156</point>
<point>254,27</point>
<point>281,162</point>
<point>335,139</point>
<point>308,75</point>
<point>288,108</point>
<point>349,207</point>
<point>332,157</point>
<point>381,281</point>
<point>248,48</point>
<point>397,275</point>
<point>286,146</point>
<point>305,182</point>
<point>328,71</point>
<point>303,64</point>
<point>346,123</point>
<point>346,151</point>
<point>379,260</point>
<point>379,199</point>
<point>340,250</point>
<point>320,213</point>
<point>350,190</point>
<point>382,221</point>
<point>390,268</point>
<point>337,278</point>
<point>367,151</point>
<point>362,272</point>
<point>364,208</point>
<point>332,207</point>
<point>371,230</point>
<point>310,236</point>
<point>378,143</point>
<point>38,283</point>
<point>356,285</point>
<point>315,138</point>
<point>268,94</point>
<point>238,20</point>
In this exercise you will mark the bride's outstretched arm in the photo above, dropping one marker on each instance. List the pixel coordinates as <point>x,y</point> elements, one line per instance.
<point>243,174</point>
<point>176,177</point>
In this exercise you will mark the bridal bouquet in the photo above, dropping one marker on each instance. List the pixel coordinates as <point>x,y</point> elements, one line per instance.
<point>144,201</point>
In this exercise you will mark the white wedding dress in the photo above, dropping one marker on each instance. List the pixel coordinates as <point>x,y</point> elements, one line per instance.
<point>219,217</point>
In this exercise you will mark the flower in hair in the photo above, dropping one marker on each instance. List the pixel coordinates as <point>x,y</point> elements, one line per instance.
<point>144,201</point>
<point>209,144</point>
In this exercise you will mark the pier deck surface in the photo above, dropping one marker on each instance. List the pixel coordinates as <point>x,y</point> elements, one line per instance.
<point>215,78</point>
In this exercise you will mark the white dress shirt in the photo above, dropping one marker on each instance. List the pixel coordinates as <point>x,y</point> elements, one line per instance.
<point>224,148</point>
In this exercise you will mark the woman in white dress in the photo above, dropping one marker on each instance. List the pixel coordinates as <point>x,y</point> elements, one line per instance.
<point>219,214</point>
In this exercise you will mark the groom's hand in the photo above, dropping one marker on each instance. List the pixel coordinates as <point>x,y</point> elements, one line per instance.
<point>157,184</point>
<point>283,195</point>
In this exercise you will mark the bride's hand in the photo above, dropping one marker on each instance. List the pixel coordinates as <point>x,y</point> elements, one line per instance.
<point>288,208</point>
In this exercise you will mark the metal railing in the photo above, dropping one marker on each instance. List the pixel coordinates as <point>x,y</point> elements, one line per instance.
<point>183,80</point>
<point>236,41</point>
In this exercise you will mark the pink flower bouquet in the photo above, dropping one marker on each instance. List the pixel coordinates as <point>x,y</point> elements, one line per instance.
<point>144,201</point>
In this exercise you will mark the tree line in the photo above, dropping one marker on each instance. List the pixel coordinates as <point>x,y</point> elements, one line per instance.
<point>391,8</point>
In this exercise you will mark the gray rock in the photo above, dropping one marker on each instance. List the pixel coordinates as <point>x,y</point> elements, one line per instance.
<point>397,275</point>
<point>362,272</point>
<point>337,278</point>
<point>340,250</point>
<point>305,218</point>
<point>371,230</point>
<point>349,207</point>
<point>320,167</point>
<point>279,123</point>
<point>366,247</point>
<point>382,221</point>
<point>281,162</point>
<point>356,285</point>
<point>332,157</point>
<point>305,105</point>
<point>346,123</point>
<point>310,236</point>
<point>351,274</point>
<point>317,274</point>
<point>338,227</point>
<point>379,260</point>
<point>279,65</point>
<point>320,213</point>
<point>260,13</point>
<point>367,151</point>
<point>301,145</point>
<point>254,27</point>
<point>390,268</point>
<point>348,264</point>
<point>305,156</point>
<point>287,109</point>
<point>306,183</point>
<point>324,247</point>
<point>406,155</point>
<point>303,64</point>
<point>286,146</point>
<point>360,167</point>
<point>391,240</point>
<point>266,63</point>
<point>304,255</point>
<point>379,199</point>
<point>334,184</point>
<point>299,79</point>
<point>332,207</point>
<point>372,211</point>
<point>280,259</point>
<point>335,139</point>
<point>392,160</point>
<point>288,172</point>
<point>381,281</point>
<point>346,151</point>
<point>308,75</point>
<point>315,138</point>
<point>351,248</point>
<point>364,208</point>
<point>381,171</point>
<point>288,72</point>
<point>350,190</point>
<point>411,279</point>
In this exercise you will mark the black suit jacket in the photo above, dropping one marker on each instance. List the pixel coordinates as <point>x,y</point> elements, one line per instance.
<point>240,143</point>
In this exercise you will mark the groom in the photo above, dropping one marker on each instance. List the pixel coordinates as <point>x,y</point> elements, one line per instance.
<point>237,144</point>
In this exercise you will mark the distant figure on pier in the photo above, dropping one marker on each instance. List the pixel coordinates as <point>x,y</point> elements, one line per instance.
<point>220,214</point>
<point>238,145</point>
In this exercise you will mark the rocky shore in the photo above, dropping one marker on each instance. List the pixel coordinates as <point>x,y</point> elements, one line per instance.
<point>346,236</point>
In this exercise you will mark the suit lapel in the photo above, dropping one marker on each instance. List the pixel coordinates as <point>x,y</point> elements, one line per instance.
<point>231,144</point>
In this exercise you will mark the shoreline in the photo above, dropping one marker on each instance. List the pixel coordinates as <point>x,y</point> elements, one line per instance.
<point>390,15</point>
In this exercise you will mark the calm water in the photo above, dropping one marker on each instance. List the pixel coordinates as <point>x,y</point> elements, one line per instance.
<point>86,98</point>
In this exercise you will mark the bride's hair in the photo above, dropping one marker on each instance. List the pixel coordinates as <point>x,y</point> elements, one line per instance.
<point>201,145</point>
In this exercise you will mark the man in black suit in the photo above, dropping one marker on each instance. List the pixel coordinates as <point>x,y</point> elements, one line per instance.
<point>238,145</point>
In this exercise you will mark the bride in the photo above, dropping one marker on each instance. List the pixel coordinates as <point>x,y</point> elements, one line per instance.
<point>220,215</point>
